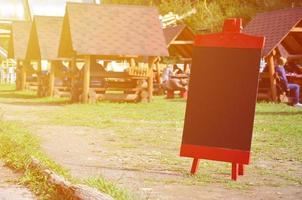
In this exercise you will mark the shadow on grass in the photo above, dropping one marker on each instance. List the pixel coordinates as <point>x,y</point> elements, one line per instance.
<point>177,99</point>
<point>280,113</point>
<point>15,95</point>
<point>50,103</point>
<point>126,169</point>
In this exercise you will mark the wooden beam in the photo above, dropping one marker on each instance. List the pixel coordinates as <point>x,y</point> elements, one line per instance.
<point>177,42</point>
<point>291,56</point>
<point>187,60</point>
<point>296,29</point>
<point>51,82</point>
<point>86,79</point>
<point>271,67</point>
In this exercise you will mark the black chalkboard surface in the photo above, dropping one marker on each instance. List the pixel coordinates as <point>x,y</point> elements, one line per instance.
<point>222,97</point>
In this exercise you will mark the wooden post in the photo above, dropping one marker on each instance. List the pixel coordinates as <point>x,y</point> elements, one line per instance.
<point>157,72</point>
<point>72,66</point>
<point>271,67</point>
<point>74,89</point>
<point>132,62</point>
<point>39,80</point>
<point>151,61</point>
<point>23,75</point>
<point>18,75</point>
<point>51,78</point>
<point>86,79</point>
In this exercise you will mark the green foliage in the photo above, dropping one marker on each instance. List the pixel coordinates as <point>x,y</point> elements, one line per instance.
<point>128,2</point>
<point>211,13</point>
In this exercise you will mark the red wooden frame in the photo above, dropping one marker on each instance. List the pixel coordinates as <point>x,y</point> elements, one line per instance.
<point>238,158</point>
<point>231,37</point>
<point>215,153</point>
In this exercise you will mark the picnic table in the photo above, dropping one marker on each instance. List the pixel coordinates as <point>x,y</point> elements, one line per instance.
<point>118,86</point>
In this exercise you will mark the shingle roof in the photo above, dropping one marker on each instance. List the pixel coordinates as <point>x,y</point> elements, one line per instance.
<point>19,39</point>
<point>179,33</point>
<point>45,38</point>
<point>171,33</point>
<point>274,26</point>
<point>112,30</point>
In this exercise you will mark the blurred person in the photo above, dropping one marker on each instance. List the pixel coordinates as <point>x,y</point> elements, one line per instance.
<point>294,89</point>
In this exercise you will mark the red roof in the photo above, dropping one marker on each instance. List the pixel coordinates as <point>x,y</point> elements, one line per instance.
<point>274,26</point>
<point>112,30</point>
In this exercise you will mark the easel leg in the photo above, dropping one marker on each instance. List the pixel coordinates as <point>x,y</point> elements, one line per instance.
<point>241,170</point>
<point>234,171</point>
<point>195,165</point>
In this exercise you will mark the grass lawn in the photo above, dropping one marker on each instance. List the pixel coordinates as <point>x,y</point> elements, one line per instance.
<point>17,146</point>
<point>147,136</point>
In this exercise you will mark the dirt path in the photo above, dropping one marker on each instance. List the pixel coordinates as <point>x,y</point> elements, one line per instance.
<point>9,189</point>
<point>81,150</point>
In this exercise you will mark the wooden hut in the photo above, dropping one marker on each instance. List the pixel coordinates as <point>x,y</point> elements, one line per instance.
<point>282,30</point>
<point>43,44</point>
<point>179,41</point>
<point>18,43</point>
<point>112,32</point>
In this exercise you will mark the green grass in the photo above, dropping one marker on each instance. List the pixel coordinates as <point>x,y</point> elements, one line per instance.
<point>8,94</point>
<point>109,188</point>
<point>17,146</point>
<point>148,136</point>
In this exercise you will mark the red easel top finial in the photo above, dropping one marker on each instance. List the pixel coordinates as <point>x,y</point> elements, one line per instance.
<point>233,25</point>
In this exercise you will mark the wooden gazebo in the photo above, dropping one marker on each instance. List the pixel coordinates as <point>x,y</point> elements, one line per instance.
<point>18,43</point>
<point>112,32</point>
<point>282,30</point>
<point>43,44</point>
<point>180,40</point>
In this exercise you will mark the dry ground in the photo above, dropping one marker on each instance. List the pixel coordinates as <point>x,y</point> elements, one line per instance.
<point>9,188</point>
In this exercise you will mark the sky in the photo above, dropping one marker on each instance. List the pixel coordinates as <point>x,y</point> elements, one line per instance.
<point>50,7</point>
<point>13,9</point>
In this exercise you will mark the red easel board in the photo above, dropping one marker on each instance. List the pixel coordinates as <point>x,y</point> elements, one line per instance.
<point>222,96</point>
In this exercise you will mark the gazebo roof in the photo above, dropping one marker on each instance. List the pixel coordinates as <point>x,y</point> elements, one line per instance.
<point>19,39</point>
<point>179,40</point>
<point>112,30</point>
<point>171,33</point>
<point>275,26</point>
<point>44,38</point>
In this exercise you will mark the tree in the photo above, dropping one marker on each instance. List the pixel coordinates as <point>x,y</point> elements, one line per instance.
<point>211,13</point>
